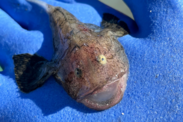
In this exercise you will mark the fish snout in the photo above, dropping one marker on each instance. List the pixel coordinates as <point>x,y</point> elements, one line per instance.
<point>106,96</point>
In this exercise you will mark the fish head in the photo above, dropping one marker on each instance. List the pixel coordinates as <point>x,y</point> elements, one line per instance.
<point>95,73</point>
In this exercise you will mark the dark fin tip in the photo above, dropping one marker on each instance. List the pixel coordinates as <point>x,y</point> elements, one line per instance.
<point>124,25</point>
<point>111,21</point>
<point>110,18</point>
<point>27,71</point>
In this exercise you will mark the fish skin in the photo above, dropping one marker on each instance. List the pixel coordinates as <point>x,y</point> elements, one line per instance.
<point>98,84</point>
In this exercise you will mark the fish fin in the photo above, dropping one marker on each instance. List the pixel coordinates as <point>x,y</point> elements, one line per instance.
<point>31,71</point>
<point>117,27</point>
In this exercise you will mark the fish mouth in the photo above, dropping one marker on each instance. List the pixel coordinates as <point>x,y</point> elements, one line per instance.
<point>107,96</point>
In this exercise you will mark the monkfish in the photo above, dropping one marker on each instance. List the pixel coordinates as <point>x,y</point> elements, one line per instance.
<point>88,61</point>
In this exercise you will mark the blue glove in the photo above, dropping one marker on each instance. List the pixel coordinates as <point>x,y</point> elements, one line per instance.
<point>154,49</point>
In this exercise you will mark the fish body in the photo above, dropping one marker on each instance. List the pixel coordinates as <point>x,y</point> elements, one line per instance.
<point>88,61</point>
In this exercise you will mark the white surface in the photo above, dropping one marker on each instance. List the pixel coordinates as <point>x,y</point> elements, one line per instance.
<point>119,5</point>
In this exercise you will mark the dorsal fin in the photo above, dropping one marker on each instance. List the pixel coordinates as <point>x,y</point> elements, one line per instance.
<point>114,24</point>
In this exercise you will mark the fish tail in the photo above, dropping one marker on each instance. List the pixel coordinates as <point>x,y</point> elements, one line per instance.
<point>31,71</point>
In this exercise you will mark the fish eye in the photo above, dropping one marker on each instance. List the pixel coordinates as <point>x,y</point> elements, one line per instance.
<point>101,59</point>
<point>78,72</point>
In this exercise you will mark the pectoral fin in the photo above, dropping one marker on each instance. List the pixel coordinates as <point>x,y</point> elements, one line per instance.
<point>31,71</point>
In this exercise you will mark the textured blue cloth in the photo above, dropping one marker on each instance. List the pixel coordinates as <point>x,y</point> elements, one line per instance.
<point>154,49</point>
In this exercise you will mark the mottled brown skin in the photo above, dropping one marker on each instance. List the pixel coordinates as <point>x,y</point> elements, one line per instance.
<point>88,61</point>
<point>83,46</point>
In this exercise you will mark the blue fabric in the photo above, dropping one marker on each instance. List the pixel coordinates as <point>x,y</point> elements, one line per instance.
<point>154,49</point>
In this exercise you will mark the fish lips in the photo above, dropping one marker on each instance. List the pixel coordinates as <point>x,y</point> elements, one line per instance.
<point>107,96</point>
